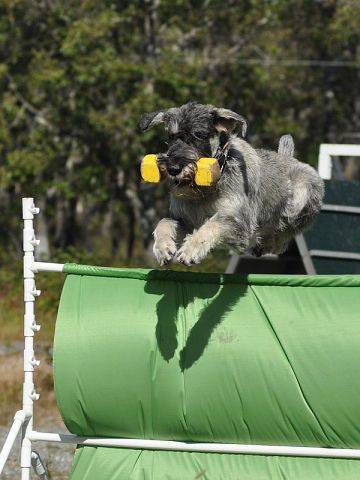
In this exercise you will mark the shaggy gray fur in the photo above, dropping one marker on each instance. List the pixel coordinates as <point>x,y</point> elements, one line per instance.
<point>286,145</point>
<point>260,202</point>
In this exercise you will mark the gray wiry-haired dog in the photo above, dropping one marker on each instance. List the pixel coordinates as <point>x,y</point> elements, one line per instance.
<point>260,202</point>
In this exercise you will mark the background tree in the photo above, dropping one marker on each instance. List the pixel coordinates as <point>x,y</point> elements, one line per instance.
<point>76,76</point>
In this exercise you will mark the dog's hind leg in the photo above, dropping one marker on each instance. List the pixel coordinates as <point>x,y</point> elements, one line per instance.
<point>165,235</point>
<point>308,192</point>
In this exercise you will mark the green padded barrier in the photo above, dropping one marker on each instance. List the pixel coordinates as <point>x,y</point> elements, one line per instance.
<point>102,463</point>
<point>208,358</point>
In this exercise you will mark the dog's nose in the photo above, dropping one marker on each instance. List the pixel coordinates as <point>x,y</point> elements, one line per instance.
<point>174,170</point>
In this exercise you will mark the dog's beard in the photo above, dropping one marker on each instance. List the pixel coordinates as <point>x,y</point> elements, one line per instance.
<point>186,176</point>
<point>183,185</point>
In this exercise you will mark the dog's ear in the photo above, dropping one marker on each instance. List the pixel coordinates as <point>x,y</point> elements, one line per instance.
<point>227,120</point>
<point>148,120</point>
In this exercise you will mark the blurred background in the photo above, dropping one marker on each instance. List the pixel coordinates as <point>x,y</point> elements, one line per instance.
<point>75,76</point>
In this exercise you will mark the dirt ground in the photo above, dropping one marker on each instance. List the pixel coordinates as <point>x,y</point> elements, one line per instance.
<point>56,457</point>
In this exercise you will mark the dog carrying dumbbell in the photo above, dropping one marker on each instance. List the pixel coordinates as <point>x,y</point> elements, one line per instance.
<point>222,190</point>
<point>207,170</point>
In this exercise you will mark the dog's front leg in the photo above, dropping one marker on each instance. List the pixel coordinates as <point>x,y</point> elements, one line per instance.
<point>199,243</point>
<point>165,235</point>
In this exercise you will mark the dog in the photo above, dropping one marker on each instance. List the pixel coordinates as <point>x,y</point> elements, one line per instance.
<point>260,202</point>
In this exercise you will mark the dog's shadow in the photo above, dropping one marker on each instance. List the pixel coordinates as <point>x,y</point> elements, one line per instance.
<point>177,300</point>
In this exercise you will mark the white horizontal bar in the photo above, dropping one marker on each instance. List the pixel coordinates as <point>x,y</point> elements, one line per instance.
<point>327,207</point>
<point>345,149</point>
<point>324,165</point>
<point>47,267</point>
<point>335,254</point>
<point>197,447</point>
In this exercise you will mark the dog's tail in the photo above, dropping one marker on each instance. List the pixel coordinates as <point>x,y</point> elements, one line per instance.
<point>286,146</point>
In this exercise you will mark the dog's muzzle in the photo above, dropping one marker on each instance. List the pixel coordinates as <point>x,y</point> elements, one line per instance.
<point>180,156</point>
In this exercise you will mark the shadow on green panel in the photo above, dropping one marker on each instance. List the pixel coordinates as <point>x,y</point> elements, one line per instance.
<point>222,298</point>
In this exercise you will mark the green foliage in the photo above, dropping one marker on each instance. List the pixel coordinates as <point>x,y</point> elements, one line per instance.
<point>76,76</point>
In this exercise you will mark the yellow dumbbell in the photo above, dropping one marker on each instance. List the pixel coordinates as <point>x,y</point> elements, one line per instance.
<point>207,173</point>
<point>149,169</point>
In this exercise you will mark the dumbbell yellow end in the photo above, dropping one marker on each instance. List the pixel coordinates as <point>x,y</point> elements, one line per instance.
<point>149,169</point>
<point>208,171</point>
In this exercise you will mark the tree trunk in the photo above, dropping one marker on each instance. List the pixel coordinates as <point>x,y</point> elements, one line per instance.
<point>42,251</point>
<point>65,227</point>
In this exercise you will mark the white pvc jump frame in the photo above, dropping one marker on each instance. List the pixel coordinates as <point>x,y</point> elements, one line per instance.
<point>23,419</point>
<point>328,150</point>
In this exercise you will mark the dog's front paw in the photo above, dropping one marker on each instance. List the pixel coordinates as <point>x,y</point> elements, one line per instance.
<point>191,252</point>
<point>164,251</point>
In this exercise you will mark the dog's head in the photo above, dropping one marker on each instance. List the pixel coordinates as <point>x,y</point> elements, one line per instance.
<point>193,132</point>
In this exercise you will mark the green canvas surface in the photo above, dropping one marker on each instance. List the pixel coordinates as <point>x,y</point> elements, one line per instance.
<point>208,358</point>
<point>113,464</point>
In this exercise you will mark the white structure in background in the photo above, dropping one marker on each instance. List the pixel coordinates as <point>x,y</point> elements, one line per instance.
<point>328,150</point>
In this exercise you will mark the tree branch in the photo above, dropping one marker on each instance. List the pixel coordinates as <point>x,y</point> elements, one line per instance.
<point>38,115</point>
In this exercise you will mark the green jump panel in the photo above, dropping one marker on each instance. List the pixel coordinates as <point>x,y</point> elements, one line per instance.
<point>219,358</point>
<point>100,463</point>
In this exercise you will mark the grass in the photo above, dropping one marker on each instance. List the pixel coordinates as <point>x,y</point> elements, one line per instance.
<point>11,379</point>
<point>12,303</point>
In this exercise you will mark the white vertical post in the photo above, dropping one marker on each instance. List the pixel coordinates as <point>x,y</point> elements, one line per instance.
<point>18,422</point>
<point>325,164</point>
<point>30,327</point>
